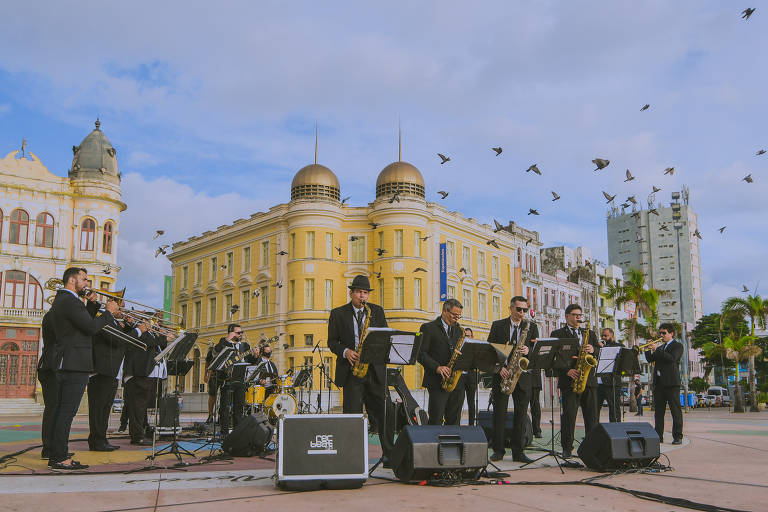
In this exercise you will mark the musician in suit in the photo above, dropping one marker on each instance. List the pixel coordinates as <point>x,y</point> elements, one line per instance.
<point>141,377</point>
<point>232,392</point>
<point>46,374</point>
<point>471,378</point>
<point>572,401</point>
<point>439,338</point>
<point>666,382</point>
<point>269,372</point>
<point>344,327</point>
<point>507,331</point>
<point>608,390</point>
<point>73,330</point>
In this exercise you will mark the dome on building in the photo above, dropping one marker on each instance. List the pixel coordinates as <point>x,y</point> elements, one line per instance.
<point>315,181</point>
<point>400,177</point>
<point>95,156</point>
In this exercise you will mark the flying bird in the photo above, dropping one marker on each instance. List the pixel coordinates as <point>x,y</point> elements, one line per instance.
<point>746,13</point>
<point>344,201</point>
<point>158,233</point>
<point>380,251</point>
<point>223,267</point>
<point>632,199</point>
<point>669,170</point>
<point>655,189</point>
<point>444,158</point>
<point>629,176</point>
<point>378,274</point>
<point>645,107</point>
<point>748,178</point>
<point>625,205</point>
<point>443,193</point>
<point>282,253</point>
<point>531,211</point>
<point>600,163</point>
<point>663,227</point>
<point>534,168</point>
<point>354,238</point>
<point>722,229</point>
<point>395,197</point>
<point>373,225</point>
<point>498,150</point>
<point>555,197</point>
<point>463,270</point>
<point>761,152</point>
<point>492,243</point>
<point>425,238</point>
<point>338,249</point>
<point>636,215</point>
<point>278,284</point>
<point>609,198</point>
<point>161,250</point>
<point>498,227</point>
<point>653,211</point>
<point>419,269</point>
<point>108,269</point>
<point>697,234</point>
<point>256,292</point>
<point>744,288</point>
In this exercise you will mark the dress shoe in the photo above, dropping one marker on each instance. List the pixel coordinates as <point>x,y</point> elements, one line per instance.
<point>521,457</point>
<point>69,455</point>
<point>677,441</point>
<point>496,456</point>
<point>142,442</point>
<point>113,446</point>
<point>122,428</point>
<point>102,448</point>
<point>385,462</point>
<point>538,435</point>
<point>72,464</point>
<point>567,454</point>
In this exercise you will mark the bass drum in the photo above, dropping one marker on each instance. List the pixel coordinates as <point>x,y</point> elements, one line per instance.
<point>279,404</point>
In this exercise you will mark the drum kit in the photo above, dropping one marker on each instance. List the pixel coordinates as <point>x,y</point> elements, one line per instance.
<point>275,399</point>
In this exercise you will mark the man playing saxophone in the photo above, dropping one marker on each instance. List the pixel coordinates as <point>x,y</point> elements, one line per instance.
<point>346,328</point>
<point>508,331</point>
<point>440,338</point>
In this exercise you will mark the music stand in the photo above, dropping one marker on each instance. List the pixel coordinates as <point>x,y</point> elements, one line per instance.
<point>384,345</point>
<point>553,354</point>
<point>627,363</point>
<point>178,365</point>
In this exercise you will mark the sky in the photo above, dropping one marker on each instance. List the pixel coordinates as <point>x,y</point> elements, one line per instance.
<point>212,109</point>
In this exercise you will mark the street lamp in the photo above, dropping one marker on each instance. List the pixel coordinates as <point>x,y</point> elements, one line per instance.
<point>677,221</point>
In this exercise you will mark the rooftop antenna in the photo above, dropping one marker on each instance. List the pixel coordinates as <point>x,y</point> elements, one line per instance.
<point>399,142</point>
<point>315,142</point>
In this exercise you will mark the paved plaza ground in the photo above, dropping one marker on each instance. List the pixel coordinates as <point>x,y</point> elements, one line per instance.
<point>723,463</point>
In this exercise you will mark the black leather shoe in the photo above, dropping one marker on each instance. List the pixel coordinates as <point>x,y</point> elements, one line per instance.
<point>521,457</point>
<point>496,456</point>
<point>103,448</point>
<point>538,435</point>
<point>142,442</point>
<point>567,454</point>
<point>122,428</point>
<point>385,462</point>
<point>73,464</point>
<point>113,446</point>
<point>677,441</point>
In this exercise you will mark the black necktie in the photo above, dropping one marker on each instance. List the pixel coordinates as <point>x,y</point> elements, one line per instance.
<point>513,338</point>
<point>360,321</point>
<point>574,333</point>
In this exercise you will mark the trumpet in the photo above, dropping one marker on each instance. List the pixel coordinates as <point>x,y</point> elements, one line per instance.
<point>639,348</point>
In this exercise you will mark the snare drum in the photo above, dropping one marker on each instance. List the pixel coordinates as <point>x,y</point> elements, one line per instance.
<point>254,395</point>
<point>280,404</point>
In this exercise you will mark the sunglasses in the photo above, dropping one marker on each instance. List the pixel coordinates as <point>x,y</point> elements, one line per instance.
<point>663,332</point>
<point>521,310</point>
<point>238,332</point>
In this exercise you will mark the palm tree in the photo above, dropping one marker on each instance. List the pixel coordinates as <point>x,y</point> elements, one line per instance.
<point>737,349</point>
<point>756,309</point>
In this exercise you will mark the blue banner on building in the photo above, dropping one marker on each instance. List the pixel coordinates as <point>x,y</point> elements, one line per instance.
<point>443,273</point>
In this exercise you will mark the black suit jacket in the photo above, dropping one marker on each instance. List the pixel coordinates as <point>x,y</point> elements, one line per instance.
<point>139,363</point>
<point>667,361</point>
<point>563,380</point>
<point>341,335</point>
<point>74,329</point>
<point>436,350</point>
<point>108,350</point>
<point>500,332</point>
<point>48,356</point>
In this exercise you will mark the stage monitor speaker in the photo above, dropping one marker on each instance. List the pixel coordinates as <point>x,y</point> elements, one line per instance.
<point>250,437</point>
<point>485,420</point>
<point>610,446</point>
<point>322,451</point>
<point>448,451</point>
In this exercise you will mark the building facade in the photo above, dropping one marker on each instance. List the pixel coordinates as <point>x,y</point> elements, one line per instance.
<point>285,269</point>
<point>49,223</point>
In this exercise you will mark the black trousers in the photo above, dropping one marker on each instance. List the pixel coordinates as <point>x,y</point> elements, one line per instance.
<point>571,402</point>
<point>47,380</point>
<point>101,395</point>
<point>639,403</point>
<point>663,396</point>
<point>231,403</point>
<point>520,399</point>
<point>470,389</point>
<point>70,387</point>
<point>357,392</point>
<point>610,395</point>
<point>139,394</point>
<point>536,410</point>
<point>446,406</point>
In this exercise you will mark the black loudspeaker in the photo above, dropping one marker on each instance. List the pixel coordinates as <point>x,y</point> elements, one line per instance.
<point>610,446</point>
<point>485,420</point>
<point>318,451</point>
<point>250,437</point>
<point>449,451</point>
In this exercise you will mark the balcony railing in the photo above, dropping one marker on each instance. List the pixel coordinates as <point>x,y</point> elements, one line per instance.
<point>21,314</point>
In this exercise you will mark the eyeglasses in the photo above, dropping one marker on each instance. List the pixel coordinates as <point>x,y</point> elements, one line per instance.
<point>521,310</point>
<point>576,314</point>
<point>663,332</point>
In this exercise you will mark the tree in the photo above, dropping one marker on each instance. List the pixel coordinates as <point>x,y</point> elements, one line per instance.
<point>710,328</point>
<point>736,349</point>
<point>698,385</point>
<point>754,307</point>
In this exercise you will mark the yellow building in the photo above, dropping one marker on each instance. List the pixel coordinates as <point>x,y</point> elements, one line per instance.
<point>287,268</point>
<point>49,223</point>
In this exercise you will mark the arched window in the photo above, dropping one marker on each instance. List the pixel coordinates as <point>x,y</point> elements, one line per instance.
<point>13,289</point>
<point>106,245</point>
<point>87,234</point>
<point>44,230</point>
<point>19,227</point>
<point>34,294</point>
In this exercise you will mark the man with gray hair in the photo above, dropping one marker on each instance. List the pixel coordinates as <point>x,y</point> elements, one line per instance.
<point>440,337</point>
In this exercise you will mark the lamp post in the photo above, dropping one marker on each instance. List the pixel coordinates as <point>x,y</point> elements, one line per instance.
<point>676,219</point>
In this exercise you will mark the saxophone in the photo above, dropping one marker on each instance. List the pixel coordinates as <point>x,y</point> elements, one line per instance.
<point>516,364</point>
<point>449,384</point>
<point>359,369</point>
<point>584,363</point>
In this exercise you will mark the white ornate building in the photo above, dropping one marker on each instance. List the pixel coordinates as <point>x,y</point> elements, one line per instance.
<point>49,223</point>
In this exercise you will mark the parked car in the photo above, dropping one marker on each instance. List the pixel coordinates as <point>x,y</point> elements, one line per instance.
<point>117,405</point>
<point>721,396</point>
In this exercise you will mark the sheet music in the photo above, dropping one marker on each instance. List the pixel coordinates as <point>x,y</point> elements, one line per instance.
<point>505,349</point>
<point>607,359</point>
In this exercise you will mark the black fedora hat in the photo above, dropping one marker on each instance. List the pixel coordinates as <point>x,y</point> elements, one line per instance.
<point>360,283</point>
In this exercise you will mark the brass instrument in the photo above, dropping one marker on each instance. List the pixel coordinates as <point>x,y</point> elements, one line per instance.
<point>516,364</point>
<point>639,348</point>
<point>584,363</point>
<point>449,384</point>
<point>359,369</point>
